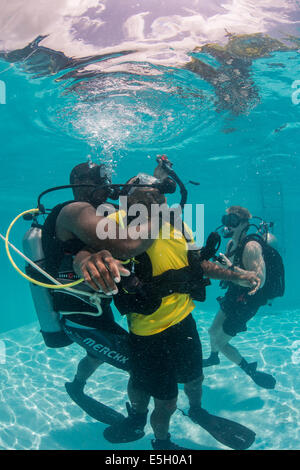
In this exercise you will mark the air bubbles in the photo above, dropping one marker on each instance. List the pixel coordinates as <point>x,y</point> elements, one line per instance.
<point>118,112</point>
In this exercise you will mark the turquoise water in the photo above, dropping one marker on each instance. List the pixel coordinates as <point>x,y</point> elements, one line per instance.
<point>230,121</point>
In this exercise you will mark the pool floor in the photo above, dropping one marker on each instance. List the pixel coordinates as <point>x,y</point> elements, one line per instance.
<point>36,412</point>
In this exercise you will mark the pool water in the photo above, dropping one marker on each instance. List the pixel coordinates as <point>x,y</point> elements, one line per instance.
<point>215,90</point>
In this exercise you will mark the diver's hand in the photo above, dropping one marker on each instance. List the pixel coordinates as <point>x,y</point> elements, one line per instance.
<point>102,272</point>
<point>159,171</point>
<point>249,279</point>
<point>223,261</point>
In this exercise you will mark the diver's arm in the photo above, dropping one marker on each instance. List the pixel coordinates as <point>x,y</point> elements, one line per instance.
<point>80,220</point>
<point>245,278</point>
<point>217,272</point>
<point>253,260</point>
<point>227,264</point>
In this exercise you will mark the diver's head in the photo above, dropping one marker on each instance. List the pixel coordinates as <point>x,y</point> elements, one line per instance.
<point>235,221</point>
<point>147,197</point>
<point>143,193</point>
<point>95,175</point>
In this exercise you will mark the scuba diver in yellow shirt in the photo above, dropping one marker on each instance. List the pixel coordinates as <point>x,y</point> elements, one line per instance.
<point>164,346</point>
<point>164,276</point>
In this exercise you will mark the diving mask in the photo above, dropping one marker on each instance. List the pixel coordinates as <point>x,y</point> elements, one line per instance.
<point>231,220</point>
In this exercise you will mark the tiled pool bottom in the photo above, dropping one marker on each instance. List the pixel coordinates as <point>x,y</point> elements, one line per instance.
<point>36,412</point>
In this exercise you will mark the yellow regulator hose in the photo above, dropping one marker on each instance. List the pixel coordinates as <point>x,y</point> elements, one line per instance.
<point>38,283</point>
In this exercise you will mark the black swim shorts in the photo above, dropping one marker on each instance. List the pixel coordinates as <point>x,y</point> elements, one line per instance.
<point>239,308</point>
<point>159,362</point>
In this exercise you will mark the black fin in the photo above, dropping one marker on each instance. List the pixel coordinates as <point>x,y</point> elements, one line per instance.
<point>231,434</point>
<point>129,430</point>
<point>250,369</point>
<point>121,434</point>
<point>263,380</point>
<point>94,408</point>
<point>166,444</point>
<point>260,378</point>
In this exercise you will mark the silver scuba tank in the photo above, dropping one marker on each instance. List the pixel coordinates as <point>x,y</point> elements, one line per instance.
<point>51,326</point>
<point>271,240</point>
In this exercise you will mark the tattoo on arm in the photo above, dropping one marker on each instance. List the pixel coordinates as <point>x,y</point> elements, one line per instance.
<point>213,271</point>
<point>253,260</point>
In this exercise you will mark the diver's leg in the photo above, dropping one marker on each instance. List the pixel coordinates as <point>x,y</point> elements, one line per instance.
<point>138,398</point>
<point>160,417</point>
<point>214,331</point>
<point>220,343</point>
<point>228,350</point>
<point>193,391</point>
<point>222,340</point>
<point>86,367</point>
<point>130,428</point>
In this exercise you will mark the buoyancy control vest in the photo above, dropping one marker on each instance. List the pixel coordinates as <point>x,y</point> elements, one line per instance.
<point>143,293</point>
<point>145,290</point>
<point>59,258</point>
<point>42,246</point>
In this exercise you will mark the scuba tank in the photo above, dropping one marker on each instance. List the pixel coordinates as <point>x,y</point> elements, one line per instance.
<point>268,237</point>
<point>49,319</point>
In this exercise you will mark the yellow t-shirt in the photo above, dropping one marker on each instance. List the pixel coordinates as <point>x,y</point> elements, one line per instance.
<point>165,254</point>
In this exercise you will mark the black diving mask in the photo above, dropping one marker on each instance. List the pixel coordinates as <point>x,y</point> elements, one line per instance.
<point>231,220</point>
<point>229,223</point>
<point>99,174</point>
<point>142,179</point>
<point>167,186</point>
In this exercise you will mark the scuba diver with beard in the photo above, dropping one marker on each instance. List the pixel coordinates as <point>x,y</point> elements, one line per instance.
<point>237,307</point>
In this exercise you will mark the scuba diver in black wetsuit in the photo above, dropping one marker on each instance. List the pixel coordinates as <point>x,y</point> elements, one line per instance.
<point>253,253</point>
<point>67,316</point>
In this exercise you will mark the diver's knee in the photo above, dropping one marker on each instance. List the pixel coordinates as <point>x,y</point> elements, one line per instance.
<point>213,332</point>
<point>221,341</point>
<point>167,407</point>
<point>194,384</point>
